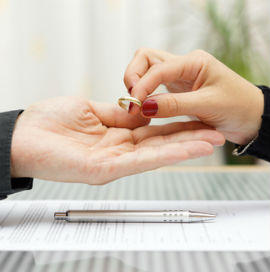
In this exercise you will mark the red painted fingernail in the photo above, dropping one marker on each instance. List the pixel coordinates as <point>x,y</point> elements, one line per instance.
<point>129,90</point>
<point>130,107</point>
<point>149,107</point>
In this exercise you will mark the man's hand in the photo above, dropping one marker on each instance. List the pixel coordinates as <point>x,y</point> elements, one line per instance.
<point>74,140</point>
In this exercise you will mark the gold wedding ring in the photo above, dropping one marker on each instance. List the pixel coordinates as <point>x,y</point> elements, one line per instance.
<point>124,101</point>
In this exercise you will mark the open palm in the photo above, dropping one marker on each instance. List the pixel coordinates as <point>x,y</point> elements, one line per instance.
<point>75,140</point>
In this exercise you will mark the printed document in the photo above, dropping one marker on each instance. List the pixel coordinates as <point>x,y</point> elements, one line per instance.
<point>239,226</point>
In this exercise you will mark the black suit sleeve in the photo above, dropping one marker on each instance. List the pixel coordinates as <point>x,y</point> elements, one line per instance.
<point>260,147</point>
<point>9,185</point>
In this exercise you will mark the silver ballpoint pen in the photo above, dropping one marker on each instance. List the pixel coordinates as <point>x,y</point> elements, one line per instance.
<point>132,216</point>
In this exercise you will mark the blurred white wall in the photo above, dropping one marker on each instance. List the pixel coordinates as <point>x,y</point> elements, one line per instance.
<point>81,47</point>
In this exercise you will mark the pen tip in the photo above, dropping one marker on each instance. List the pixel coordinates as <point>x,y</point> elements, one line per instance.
<point>203,215</point>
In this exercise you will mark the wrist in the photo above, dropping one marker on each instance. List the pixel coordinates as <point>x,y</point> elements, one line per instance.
<point>16,167</point>
<point>9,185</point>
<point>253,116</point>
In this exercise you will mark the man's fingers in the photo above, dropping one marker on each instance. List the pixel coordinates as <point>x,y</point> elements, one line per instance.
<point>157,156</point>
<point>211,136</point>
<point>113,116</point>
<point>141,133</point>
<point>149,158</point>
<point>173,104</point>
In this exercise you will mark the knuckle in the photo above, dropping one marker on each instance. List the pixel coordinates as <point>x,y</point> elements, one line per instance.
<point>141,51</point>
<point>199,52</point>
<point>173,105</point>
<point>157,71</point>
<point>202,56</point>
<point>126,78</point>
<point>153,69</point>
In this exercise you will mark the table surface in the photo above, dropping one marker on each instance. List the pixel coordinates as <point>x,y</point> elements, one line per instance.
<point>171,183</point>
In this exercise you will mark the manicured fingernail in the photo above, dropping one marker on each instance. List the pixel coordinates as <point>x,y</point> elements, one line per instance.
<point>130,107</point>
<point>149,107</point>
<point>129,90</point>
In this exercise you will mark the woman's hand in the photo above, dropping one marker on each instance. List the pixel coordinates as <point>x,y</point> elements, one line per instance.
<point>201,86</point>
<point>74,140</point>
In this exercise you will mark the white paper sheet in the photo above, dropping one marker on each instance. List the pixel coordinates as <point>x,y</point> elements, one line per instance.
<point>240,225</point>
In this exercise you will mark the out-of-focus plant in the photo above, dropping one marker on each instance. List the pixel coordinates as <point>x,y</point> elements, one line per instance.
<point>230,41</point>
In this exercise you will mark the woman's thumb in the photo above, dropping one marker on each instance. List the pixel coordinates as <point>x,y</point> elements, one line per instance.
<point>172,104</point>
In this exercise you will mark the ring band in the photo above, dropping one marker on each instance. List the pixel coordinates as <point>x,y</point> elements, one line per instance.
<point>128,99</point>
